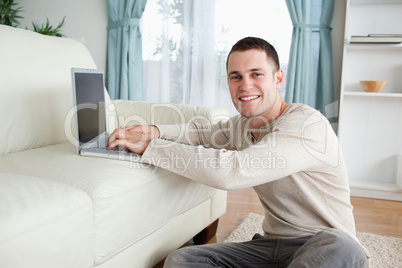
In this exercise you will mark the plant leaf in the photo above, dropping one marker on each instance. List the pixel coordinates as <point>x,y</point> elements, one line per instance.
<point>47,28</point>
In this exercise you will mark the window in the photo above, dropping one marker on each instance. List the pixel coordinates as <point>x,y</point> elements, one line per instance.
<point>185,45</point>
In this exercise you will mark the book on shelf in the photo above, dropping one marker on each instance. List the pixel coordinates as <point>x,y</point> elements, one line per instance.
<point>386,35</point>
<point>376,39</point>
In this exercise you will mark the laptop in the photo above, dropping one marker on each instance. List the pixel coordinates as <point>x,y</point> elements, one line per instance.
<point>89,100</point>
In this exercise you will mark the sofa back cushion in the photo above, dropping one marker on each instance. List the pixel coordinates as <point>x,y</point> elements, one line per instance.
<point>136,112</point>
<point>36,87</point>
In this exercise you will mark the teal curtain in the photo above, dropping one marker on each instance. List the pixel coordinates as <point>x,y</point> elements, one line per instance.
<point>124,49</point>
<point>309,75</point>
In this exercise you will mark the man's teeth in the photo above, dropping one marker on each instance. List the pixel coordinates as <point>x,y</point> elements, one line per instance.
<point>248,98</point>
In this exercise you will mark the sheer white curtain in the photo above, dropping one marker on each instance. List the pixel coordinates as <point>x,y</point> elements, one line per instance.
<point>185,45</point>
<point>179,56</point>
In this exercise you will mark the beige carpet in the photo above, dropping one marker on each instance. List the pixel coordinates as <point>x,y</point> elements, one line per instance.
<point>386,252</point>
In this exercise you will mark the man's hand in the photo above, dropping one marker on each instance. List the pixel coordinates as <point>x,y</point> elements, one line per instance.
<point>150,131</point>
<point>136,138</point>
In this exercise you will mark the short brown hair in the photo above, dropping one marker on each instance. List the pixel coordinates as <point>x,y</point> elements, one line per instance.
<point>255,43</point>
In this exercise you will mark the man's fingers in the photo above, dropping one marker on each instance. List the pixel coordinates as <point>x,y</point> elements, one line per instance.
<point>132,127</point>
<point>117,134</point>
<point>112,138</point>
<point>118,142</point>
<point>131,137</point>
<point>111,144</point>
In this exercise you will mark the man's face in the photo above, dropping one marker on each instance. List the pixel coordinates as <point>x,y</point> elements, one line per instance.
<point>253,85</point>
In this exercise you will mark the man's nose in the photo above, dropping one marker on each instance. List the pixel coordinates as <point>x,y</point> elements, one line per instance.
<point>246,84</point>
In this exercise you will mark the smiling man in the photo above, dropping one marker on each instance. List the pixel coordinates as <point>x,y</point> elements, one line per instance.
<point>287,153</point>
<point>254,79</point>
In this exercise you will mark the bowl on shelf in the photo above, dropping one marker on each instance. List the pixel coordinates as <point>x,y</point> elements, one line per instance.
<point>373,86</point>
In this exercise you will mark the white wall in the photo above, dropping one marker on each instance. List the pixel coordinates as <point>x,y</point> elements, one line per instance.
<point>85,20</point>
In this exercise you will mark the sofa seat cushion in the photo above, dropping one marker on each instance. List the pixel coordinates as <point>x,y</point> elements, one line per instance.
<point>37,214</point>
<point>130,200</point>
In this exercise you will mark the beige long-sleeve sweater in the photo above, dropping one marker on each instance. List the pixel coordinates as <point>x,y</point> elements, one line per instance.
<point>296,167</point>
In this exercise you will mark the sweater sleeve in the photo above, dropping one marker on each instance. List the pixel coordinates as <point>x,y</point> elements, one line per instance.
<point>209,136</point>
<point>296,142</point>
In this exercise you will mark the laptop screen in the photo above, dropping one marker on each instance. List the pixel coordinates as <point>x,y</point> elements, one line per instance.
<point>90,101</point>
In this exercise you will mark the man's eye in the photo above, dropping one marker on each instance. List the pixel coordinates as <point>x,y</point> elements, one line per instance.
<point>257,74</point>
<point>236,77</point>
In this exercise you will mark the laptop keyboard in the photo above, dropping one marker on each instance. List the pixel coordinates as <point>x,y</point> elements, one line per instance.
<point>119,148</point>
<point>99,144</point>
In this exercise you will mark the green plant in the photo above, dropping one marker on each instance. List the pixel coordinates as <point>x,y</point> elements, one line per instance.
<point>9,13</point>
<point>47,29</point>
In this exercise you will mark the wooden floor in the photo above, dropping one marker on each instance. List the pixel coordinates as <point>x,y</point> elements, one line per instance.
<point>371,215</point>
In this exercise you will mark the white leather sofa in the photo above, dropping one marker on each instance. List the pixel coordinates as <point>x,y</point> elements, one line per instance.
<point>59,209</point>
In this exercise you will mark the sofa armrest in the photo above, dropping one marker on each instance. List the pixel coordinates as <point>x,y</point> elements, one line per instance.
<point>146,113</point>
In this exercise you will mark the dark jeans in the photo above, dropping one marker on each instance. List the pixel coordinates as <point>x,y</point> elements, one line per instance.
<point>330,248</point>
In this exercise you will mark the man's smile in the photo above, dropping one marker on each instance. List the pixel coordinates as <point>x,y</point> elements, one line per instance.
<point>249,98</point>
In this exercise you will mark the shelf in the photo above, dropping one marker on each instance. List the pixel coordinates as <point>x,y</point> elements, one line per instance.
<point>375,185</point>
<point>376,190</point>
<point>370,137</point>
<point>372,94</point>
<point>373,46</point>
<point>375,2</point>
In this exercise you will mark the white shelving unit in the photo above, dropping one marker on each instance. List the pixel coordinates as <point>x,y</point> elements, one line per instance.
<point>370,124</point>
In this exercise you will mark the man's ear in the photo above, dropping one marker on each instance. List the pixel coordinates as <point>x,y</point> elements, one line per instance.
<point>279,78</point>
